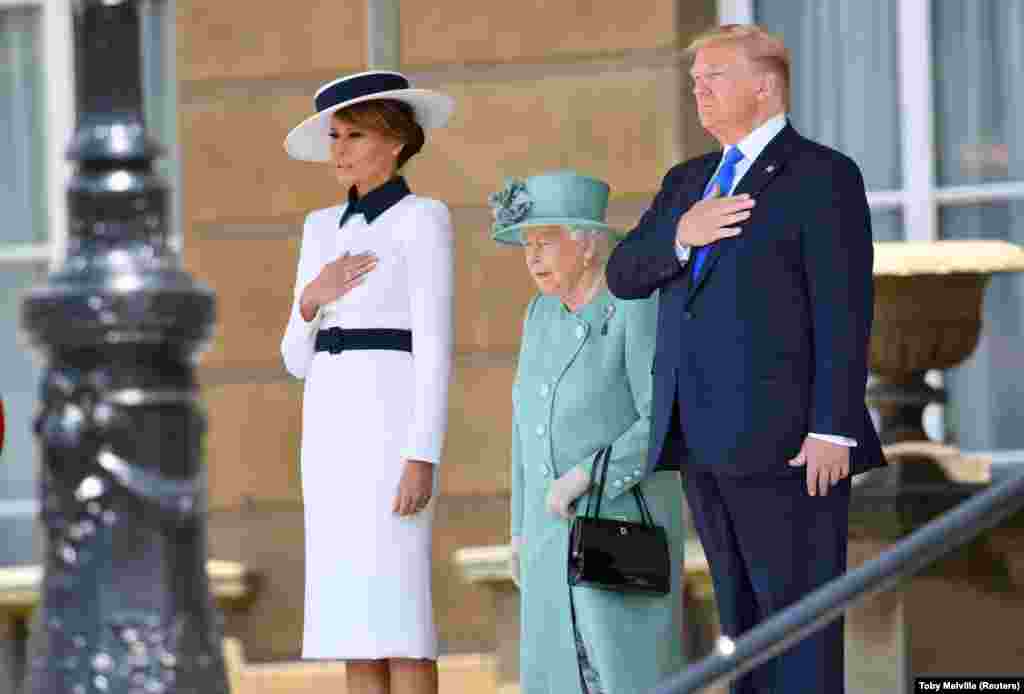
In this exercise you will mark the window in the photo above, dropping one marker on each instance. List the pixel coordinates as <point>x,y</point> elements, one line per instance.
<point>924,94</point>
<point>36,121</point>
<point>27,134</point>
<point>22,178</point>
<point>978,56</point>
<point>847,96</point>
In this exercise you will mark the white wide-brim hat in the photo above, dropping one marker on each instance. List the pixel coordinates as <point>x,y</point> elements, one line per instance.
<point>309,141</point>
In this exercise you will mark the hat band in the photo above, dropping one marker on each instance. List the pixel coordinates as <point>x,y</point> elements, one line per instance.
<point>363,85</point>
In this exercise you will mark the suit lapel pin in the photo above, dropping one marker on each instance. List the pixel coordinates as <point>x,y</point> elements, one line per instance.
<point>768,169</point>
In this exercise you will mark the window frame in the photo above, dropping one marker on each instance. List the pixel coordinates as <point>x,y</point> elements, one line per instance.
<point>56,36</point>
<point>58,98</point>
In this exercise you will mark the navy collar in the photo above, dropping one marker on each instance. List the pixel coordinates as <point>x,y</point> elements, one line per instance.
<point>376,202</point>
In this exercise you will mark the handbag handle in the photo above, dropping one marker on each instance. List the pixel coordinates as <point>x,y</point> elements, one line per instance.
<point>601,459</point>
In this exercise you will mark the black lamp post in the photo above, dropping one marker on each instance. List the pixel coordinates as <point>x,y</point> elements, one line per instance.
<point>125,601</point>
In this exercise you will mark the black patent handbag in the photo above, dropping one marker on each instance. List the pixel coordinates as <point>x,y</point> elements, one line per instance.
<point>617,555</point>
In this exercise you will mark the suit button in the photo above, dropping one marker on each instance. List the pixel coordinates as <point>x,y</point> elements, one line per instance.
<point>541,430</point>
<point>544,390</point>
<point>687,315</point>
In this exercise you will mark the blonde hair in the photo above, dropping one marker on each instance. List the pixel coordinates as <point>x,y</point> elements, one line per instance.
<point>760,45</point>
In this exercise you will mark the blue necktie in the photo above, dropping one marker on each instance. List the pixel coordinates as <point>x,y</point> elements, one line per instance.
<point>723,179</point>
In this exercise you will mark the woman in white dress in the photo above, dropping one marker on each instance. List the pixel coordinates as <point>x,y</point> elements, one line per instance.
<point>370,331</point>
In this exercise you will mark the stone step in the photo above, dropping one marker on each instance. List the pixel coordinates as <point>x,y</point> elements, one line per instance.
<point>475,673</point>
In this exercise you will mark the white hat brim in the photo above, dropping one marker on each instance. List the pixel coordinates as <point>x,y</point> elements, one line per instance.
<point>309,141</point>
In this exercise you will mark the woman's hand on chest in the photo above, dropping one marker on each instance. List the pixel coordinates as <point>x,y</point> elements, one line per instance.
<point>336,279</point>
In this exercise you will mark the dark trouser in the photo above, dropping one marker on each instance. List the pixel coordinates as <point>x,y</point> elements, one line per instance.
<point>769,544</point>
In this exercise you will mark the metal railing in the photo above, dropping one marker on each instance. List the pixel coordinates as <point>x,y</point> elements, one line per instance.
<point>775,635</point>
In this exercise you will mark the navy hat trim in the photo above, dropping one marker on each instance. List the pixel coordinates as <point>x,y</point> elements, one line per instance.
<point>363,85</point>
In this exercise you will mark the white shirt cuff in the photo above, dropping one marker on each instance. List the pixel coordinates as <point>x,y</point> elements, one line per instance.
<point>838,440</point>
<point>314,325</point>
<point>682,253</point>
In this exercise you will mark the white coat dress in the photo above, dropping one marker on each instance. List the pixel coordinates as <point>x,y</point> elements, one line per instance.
<point>368,592</point>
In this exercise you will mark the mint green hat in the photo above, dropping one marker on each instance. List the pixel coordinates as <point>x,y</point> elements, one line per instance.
<point>561,198</point>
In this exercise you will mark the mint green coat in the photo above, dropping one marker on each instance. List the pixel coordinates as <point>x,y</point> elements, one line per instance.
<point>583,382</point>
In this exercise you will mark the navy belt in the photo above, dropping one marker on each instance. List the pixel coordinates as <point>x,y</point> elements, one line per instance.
<point>336,340</point>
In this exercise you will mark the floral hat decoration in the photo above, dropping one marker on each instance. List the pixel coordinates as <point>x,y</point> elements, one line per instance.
<point>556,198</point>
<point>511,204</point>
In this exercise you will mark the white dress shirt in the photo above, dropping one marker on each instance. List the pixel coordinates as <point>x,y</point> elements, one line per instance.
<point>751,146</point>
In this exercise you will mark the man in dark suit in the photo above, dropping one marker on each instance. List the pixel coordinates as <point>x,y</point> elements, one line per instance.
<point>763,256</point>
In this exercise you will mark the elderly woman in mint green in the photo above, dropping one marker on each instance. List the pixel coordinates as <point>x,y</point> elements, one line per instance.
<point>583,382</point>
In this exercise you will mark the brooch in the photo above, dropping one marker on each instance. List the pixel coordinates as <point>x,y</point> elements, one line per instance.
<point>609,311</point>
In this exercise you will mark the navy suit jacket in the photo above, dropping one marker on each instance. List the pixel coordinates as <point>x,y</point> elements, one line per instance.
<point>770,342</point>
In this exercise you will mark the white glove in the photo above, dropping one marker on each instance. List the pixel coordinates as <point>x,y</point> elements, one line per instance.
<point>565,490</point>
<point>515,560</point>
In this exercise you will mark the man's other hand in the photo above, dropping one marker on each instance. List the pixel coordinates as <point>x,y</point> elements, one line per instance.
<point>827,463</point>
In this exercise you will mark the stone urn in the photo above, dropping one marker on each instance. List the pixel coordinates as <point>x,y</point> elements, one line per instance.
<point>928,309</point>
<point>928,313</point>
